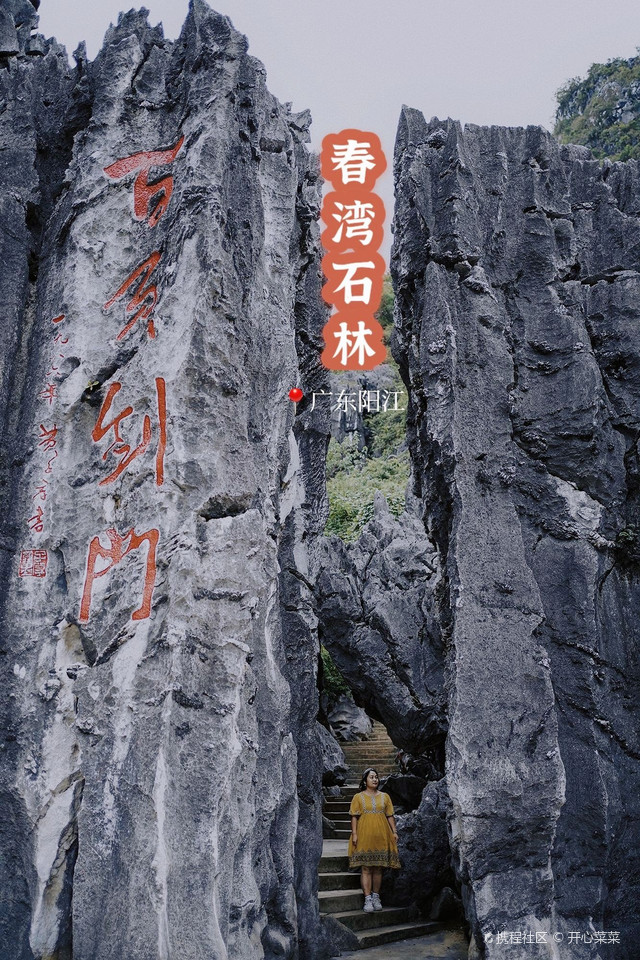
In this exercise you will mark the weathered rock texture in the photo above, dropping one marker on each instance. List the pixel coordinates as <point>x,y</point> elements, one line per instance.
<point>347,720</point>
<point>424,852</point>
<point>161,773</point>
<point>375,605</point>
<point>517,274</point>
<point>334,765</point>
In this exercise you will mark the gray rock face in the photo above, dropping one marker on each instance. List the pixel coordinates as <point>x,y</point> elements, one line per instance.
<point>161,773</point>
<point>516,265</point>
<point>375,603</point>
<point>334,765</point>
<point>424,851</point>
<point>348,720</point>
<point>18,19</point>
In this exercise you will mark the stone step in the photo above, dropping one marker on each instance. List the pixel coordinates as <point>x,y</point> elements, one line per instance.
<point>366,760</point>
<point>339,881</point>
<point>384,774</point>
<point>333,864</point>
<point>369,758</point>
<point>340,901</point>
<point>341,822</point>
<point>337,806</point>
<point>399,931</point>
<point>382,771</point>
<point>339,889</point>
<point>362,763</point>
<point>359,920</point>
<point>369,746</point>
<point>374,738</point>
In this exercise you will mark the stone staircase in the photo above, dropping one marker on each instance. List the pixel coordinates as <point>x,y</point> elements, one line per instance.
<point>378,751</point>
<point>339,888</point>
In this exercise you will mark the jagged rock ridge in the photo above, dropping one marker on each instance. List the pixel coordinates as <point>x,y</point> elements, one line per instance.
<point>517,273</point>
<point>161,295</point>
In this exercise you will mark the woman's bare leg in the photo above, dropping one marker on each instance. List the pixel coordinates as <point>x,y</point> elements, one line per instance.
<point>365,880</point>
<point>376,878</point>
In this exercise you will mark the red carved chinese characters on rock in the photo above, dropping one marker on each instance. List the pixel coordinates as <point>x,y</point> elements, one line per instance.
<point>143,191</point>
<point>119,547</point>
<point>144,299</point>
<point>150,202</point>
<point>352,161</point>
<point>123,451</point>
<point>47,441</point>
<point>138,294</point>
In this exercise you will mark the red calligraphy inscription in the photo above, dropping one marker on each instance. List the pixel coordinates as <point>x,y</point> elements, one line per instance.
<point>123,450</point>
<point>144,193</point>
<point>47,437</point>
<point>33,563</point>
<point>116,551</point>
<point>144,298</point>
<point>49,393</point>
<point>50,462</point>
<point>35,522</point>
<point>161,391</point>
<point>41,492</point>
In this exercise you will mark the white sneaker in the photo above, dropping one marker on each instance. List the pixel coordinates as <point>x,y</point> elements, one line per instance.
<point>377,903</point>
<point>368,905</point>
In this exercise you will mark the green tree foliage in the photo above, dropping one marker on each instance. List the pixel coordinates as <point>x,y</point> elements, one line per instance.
<point>354,476</point>
<point>384,316</point>
<point>602,111</point>
<point>386,432</point>
<point>352,481</point>
<point>333,683</point>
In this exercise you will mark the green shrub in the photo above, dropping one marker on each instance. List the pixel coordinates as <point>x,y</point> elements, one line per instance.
<point>333,683</point>
<point>352,482</point>
<point>590,110</point>
<point>627,547</point>
<point>354,476</point>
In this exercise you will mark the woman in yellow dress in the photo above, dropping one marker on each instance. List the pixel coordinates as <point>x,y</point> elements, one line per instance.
<point>373,844</point>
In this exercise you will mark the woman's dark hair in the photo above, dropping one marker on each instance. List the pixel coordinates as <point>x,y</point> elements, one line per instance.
<point>363,782</point>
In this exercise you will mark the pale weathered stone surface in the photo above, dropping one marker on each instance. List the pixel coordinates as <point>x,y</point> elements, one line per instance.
<point>334,765</point>
<point>161,776</point>
<point>516,266</point>
<point>348,720</point>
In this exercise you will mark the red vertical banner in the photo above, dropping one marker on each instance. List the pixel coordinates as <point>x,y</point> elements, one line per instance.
<point>352,161</point>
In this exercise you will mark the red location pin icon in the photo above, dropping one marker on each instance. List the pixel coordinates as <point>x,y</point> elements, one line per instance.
<point>296,394</point>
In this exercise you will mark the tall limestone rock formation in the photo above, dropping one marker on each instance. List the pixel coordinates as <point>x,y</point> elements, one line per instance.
<point>162,501</point>
<point>160,286</point>
<point>517,274</point>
